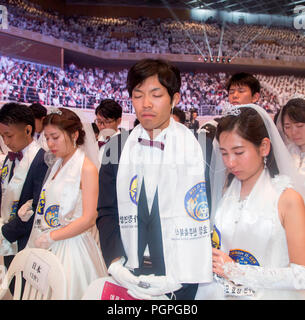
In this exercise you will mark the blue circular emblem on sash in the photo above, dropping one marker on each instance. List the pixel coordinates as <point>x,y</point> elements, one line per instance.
<point>243,257</point>
<point>4,173</point>
<point>133,189</point>
<point>196,203</point>
<point>51,216</point>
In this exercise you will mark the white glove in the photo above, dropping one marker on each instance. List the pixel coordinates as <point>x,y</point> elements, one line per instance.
<point>290,278</point>
<point>142,296</point>
<point>156,285</point>
<point>122,275</point>
<point>25,212</point>
<point>44,241</point>
<point>139,295</point>
<point>6,248</point>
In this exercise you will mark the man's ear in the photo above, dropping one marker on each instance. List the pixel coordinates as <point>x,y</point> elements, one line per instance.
<point>255,97</point>
<point>176,99</point>
<point>28,130</point>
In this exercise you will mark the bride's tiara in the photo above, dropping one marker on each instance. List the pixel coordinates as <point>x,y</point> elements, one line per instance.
<point>229,109</point>
<point>55,111</point>
<point>234,111</point>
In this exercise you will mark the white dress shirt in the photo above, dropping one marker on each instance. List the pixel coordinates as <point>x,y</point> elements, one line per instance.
<point>153,157</point>
<point>102,148</point>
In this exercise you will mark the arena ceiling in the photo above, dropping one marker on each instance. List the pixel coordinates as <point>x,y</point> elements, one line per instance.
<point>281,7</point>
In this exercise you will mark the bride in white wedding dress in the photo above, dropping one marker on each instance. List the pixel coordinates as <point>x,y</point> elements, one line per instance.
<point>67,207</point>
<point>259,224</point>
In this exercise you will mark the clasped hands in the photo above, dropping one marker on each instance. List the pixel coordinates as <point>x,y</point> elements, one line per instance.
<point>44,240</point>
<point>25,212</point>
<point>142,287</point>
<point>219,258</point>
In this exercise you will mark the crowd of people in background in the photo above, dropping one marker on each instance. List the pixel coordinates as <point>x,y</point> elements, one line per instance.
<point>160,35</point>
<point>85,217</point>
<point>29,82</point>
<point>73,86</point>
<point>238,194</point>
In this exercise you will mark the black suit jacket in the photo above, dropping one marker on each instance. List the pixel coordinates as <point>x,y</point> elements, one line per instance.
<point>16,230</point>
<point>194,125</point>
<point>108,218</point>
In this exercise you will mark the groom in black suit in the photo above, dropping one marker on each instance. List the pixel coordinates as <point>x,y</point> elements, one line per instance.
<point>17,127</point>
<point>108,215</point>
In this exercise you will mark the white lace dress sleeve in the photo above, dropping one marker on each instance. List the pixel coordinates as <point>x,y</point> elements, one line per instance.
<point>290,278</point>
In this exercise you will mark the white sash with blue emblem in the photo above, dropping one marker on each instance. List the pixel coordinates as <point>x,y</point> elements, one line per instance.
<point>58,197</point>
<point>11,190</point>
<point>183,206</point>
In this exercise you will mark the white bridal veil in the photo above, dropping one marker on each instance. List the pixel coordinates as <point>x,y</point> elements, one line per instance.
<point>218,172</point>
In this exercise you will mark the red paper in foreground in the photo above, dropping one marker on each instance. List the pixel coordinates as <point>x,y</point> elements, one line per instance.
<point>112,291</point>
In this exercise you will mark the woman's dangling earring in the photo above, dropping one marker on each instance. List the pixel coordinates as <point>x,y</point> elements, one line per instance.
<point>265,162</point>
<point>74,143</point>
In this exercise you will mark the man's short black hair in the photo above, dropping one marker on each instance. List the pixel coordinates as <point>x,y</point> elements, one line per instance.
<point>244,79</point>
<point>38,110</point>
<point>168,75</point>
<point>109,109</point>
<point>14,113</point>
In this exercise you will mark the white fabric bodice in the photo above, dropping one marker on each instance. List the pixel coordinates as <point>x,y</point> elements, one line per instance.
<point>253,225</point>
<point>250,231</point>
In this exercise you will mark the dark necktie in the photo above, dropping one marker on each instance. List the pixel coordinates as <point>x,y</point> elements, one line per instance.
<point>151,143</point>
<point>12,157</point>
<point>101,143</point>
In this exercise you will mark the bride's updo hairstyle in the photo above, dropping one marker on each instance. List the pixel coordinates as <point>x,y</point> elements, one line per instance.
<point>68,121</point>
<point>250,126</point>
